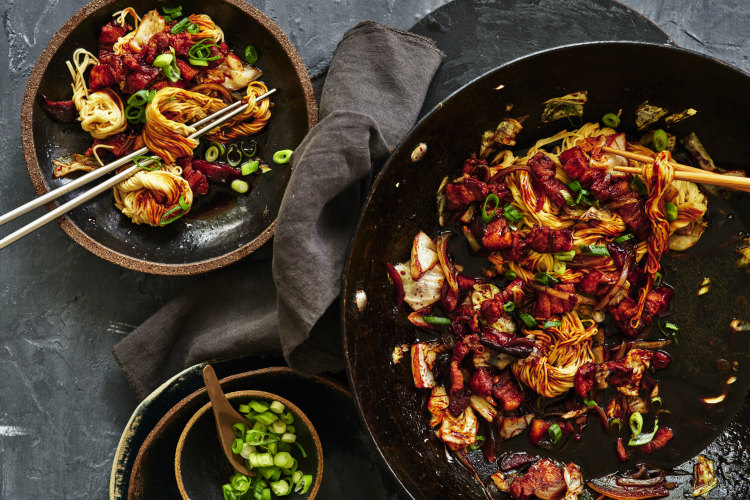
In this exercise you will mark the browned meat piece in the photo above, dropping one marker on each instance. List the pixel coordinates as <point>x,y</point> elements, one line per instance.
<point>546,305</point>
<point>542,166</point>
<point>574,162</point>
<point>547,240</point>
<point>518,247</point>
<point>497,235</point>
<point>544,479</point>
<point>621,314</point>
<point>476,168</point>
<point>661,360</point>
<point>100,78</point>
<point>538,431</point>
<point>596,282</point>
<point>460,350</point>
<point>514,291</point>
<point>462,194</point>
<point>661,438</point>
<point>545,183</point>
<point>157,44</point>
<point>657,301</point>
<point>516,459</point>
<point>584,379</point>
<point>448,297</point>
<point>622,453</point>
<point>110,33</point>
<point>481,382</point>
<point>491,310</point>
<point>198,182</point>
<point>507,391</point>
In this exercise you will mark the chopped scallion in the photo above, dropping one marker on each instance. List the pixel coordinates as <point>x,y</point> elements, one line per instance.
<point>555,433</point>
<point>240,186</point>
<point>575,186</point>
<point>660,140</point>
<point>552,324</point>
<point>565,256</point>
<point>511,214</point>
<point>509,306</point>
<point>211,153</point>
<point>670,210</point>
<point>510,275</point>
<point>436,320</point>
<point>636,423</point>
<point>528,320</point>
<point>595,250</point>
<point>251,54</point>
<point>546,279</point>
<point>611,120</point>
<point>249,167</point>
<point>622,239</point>
<point>282,156</point>
<point>494,201</point>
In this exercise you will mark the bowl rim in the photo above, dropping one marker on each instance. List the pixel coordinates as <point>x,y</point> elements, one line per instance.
<point>67,224</point>
<point>409,138</point>
<point>252,394</point>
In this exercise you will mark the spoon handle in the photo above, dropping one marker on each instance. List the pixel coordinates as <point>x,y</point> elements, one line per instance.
<point>219,402</point>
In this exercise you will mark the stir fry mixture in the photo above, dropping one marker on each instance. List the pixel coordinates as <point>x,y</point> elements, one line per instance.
<point>554,332</point>
<point>152,77</point>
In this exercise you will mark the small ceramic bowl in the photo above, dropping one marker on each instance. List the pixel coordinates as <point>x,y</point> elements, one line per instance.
<point>200,465</point>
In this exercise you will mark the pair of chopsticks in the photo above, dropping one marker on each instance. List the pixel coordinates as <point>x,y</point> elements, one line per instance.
<point>210,122</point>
<point>684,172</point>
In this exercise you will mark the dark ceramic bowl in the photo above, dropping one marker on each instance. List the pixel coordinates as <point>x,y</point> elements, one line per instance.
<point>402,202</point>
<point>226,227</point>
<point>200,465</point>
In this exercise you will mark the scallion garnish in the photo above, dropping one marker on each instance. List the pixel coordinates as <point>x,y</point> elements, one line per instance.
<point>494,202</point>
<point>193,29</point>
<point>511,214</point>
<point>622,239</point>
<point>234,155</point>
<point>211,153</point>
<point>150,159</point>
<point>546,279</point>
<point>595,250</point>
<point>510,275</point>
<point>661,141</point>
<point>568,198</point>
<point>163,60</point>
<point>656,402</point>
<point>240,186</point>
<point>282,156</point>
<point>552,324</point>
<point>478,443</point>
<point>251,54</point>
<point>528,320</point>
<point>180,26</point>
<point>611,120</point>
<point>197,62</point>
<point>615,422</point>
<point>589,402</point>
<point>202,50</point>
<point>565,256</point>
<point>555,433</point>
<point>575,186</point>
<point>670,210</point>
<point>249,167</point>
<point>640,439</point>
<point>558,267</point>
<point>509,306</point>
<point>657,278</point>
<point>436,320</point>
<point>135,110</point>
<point>249,147</point>
<point>636,423</point>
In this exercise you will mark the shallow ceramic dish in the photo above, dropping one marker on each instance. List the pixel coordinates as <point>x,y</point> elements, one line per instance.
<point>200,465</point>
<point>403,202</point>
<point>226,227</point>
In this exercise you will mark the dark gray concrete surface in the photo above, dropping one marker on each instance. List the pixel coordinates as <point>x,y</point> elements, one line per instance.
<point>63,400</point>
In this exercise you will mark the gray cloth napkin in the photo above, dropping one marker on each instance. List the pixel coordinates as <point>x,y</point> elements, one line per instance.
<point>372,95</point>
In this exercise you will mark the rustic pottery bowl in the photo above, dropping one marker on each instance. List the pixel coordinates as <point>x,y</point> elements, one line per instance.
<point>224,227</point>
<point>201,467</point>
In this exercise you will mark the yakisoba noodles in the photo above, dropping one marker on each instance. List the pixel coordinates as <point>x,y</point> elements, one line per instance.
<point>154,76</point>
<point>570,242</point>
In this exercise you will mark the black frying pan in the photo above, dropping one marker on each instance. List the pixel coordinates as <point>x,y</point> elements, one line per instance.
<point>616,75</point>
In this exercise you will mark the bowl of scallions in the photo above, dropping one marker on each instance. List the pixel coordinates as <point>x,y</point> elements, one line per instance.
<point>277,441</point>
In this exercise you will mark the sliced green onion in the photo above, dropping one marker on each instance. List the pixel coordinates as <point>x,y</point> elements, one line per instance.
<point>278,427</point>
<point>636,423</point>
<point>237,445</point>
<point>555,433</point>
<point>565,256</point>
<point>163,60</point>
<point>282,156</point>
<point>211,153</point>
<point>287,417</point>
<point>277,407</point>
<point>259,426</point>
<point>494,201</point>
<point>528,320</point>
<point>296,476</point>
<point>478,443</point>
<point>183,204</point>
<point>657,278</point>
<point>239,186</point>
<point>301,450</point>
<point>596,250</point>
<point>222,148</point>
<point>283,459</point>
<point>304,484</point>
<point>509,306</point>
<point>575,186</point>
<point>670,210</point>
<point>510,275</point>
<point>611,120</point>
<point>623,238</point>
<point>640,439</point>
<point>568,198</point>
<point>244,408</point>
<point>281,488</point>
<point>247,449</point>
<point>197,62</point>
<point>552,324</point>
<point>171,74</point>
<point>260,459</point>
<point>288,438</point>
<point>239,430</point>
<point>202,50</point>
<point>671,326</point>
<point>264,168</point>
<point>251,54</point>
<point>546,279</point>
<point>181,26</point>
<point>273,448</point>
<point>558,267</point>
<point>193,29</point>
<point>234,155</point>
<point>656,402</point>
<point>589,402</point>
<point>267,418</point>
<point>249,167</point>
<point>583,196</point>
<point>615,422</point>
<point>240,483</point>
<point>259,406</point>
<point>172,10</point>
<point>436,320</point>
<point>257,437</point>
<point>265,494</point>
<point>660,140</point>
<point>637,185</point>
<point>249,147</point>
<point>150,159</point>
<point>165,218</point>
<point>290,428</point>
<point>511,214</point>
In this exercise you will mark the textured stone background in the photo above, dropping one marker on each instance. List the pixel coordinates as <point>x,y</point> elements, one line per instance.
<point>63,400</point>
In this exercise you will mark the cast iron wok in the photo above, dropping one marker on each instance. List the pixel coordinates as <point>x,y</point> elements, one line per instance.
<point>616,75</point>
<point>219,230</point>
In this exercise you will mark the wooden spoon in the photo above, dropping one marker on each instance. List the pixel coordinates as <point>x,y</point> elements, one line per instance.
<point>225,417</point>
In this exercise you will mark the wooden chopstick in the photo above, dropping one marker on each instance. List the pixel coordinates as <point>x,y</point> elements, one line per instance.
<point>214,120</point>
<point>684,172</point>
